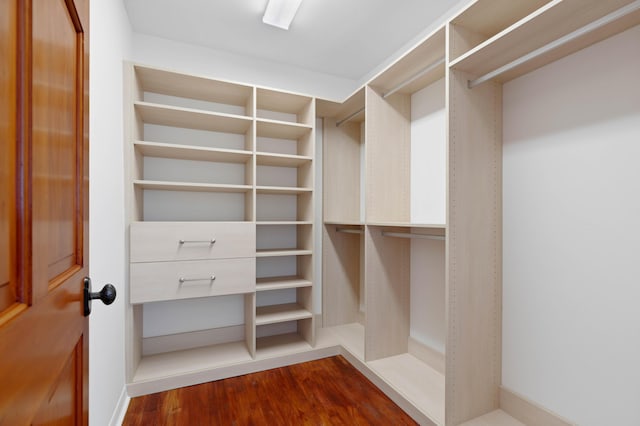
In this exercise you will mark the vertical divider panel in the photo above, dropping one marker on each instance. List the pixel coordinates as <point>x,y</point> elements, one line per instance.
<point>474,238</point>
<point>387,269</point>
<point>388,157</point>
<point>250,322</point>
<point>250,299</point>
<point>133,198</point>
<point>305,295</point>
<point>252,145</point>
<point>306,328</point>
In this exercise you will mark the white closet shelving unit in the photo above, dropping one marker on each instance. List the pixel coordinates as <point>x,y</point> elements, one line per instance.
<point>263,190</point>
<point>366,295</point>
<point>220,179</point>
<point>366,254</point>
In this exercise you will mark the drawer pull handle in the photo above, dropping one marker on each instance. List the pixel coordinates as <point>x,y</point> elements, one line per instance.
<point>210,242</point>
<point>185,280</point>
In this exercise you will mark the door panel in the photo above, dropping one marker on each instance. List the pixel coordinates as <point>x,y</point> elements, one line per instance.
<point>60,405</point>
<point>57,142</point>
<point>8,33</point>
<point>44,209</point>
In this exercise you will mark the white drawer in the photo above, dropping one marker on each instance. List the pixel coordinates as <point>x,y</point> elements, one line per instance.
<point>152,282</point>
<point>166,241</point>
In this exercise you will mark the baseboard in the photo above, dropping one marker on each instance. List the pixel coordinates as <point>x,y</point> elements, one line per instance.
<point>426,354</point>
<point>121,408</point>
<point>527,411</point>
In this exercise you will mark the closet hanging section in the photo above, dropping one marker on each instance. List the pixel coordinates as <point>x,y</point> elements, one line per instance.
<point>575,35</point>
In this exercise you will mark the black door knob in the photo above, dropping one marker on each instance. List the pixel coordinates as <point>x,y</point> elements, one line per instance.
<point>107,295</point>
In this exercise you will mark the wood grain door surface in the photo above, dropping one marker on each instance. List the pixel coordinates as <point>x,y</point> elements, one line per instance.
<point>44,125</point>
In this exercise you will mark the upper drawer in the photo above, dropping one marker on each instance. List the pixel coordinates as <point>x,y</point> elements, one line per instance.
<point>166,241</point>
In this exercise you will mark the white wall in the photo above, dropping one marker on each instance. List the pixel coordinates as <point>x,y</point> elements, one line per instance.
<point>428,205</point>
<point>571,288</point>
<point>110,36</point>
<point>212,63</point>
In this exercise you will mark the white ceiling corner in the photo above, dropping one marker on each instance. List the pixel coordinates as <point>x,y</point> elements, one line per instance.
<point>344,38</point>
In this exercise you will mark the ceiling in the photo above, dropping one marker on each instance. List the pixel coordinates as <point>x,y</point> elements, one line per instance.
<point>344,38</point>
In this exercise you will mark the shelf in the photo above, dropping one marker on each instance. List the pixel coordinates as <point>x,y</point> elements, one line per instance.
<point>353,107</point>
<point>345,223</point>
<point>280,345</point>
<point>281,313</point>
<point>488,17</point>
<point>281,160</point>
<point>182,152</point>
<point>408,225</point>
<point>280,283</point>
<point>416,381</point>
<point>285,102</point>
<point>283,222</point>
<point>280,129</point>
<point>545,25</point>
<point>282,252</point>
<point>191,360</point>
<point>423,65</point>
<point>192,118</point>
<point>192,187</point>
<point>194,87</point>
<point>280,190</point>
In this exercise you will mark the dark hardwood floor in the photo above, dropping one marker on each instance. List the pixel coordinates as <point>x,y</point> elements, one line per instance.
<point>329,391</point>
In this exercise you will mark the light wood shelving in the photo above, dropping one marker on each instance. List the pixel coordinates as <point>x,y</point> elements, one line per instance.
<point>194,135</point>
<point>188,186</point>
<point>280,283</point>
<point>192,118</point>
<point>181,152</point>
<point>367,156</point>
<point>544,25</point>
<point>281,313</point>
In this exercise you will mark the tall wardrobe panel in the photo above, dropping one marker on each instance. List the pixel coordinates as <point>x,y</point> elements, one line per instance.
<point>475,237</point>
<point>388,161</point>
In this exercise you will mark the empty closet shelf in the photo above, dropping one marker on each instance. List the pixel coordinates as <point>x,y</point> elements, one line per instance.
<point>282,252</point>
<point>194,153</point>
<point>189,186</point>
<point>192,118</point>
<point>281,313</point>
<point>280,283</point>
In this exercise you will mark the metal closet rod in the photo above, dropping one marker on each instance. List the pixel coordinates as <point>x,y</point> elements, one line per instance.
<point>349,230</point>
<point>414,77</point>
<point>344,120</point>
<point>632,7</point>
<point>412,235</point>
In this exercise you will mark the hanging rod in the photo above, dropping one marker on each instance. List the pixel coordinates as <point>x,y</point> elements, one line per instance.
<point>632,7</point>
<point>349,230</point>
<point>344,120</point>
<point>416,76</point>
<point>412,235</point>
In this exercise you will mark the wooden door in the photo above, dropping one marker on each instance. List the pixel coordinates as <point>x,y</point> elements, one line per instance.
<point>44,127</point>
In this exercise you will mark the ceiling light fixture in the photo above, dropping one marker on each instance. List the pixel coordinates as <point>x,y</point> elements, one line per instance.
<point>280,13</point>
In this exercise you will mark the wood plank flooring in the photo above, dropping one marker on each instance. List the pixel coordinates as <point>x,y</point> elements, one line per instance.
<point>329,391</point>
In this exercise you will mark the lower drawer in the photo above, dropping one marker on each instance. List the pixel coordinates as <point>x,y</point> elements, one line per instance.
<point>156,281</point>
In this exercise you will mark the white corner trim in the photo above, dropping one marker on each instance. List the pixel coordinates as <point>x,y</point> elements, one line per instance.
<point>527,411</point>
<point>121,408</point>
